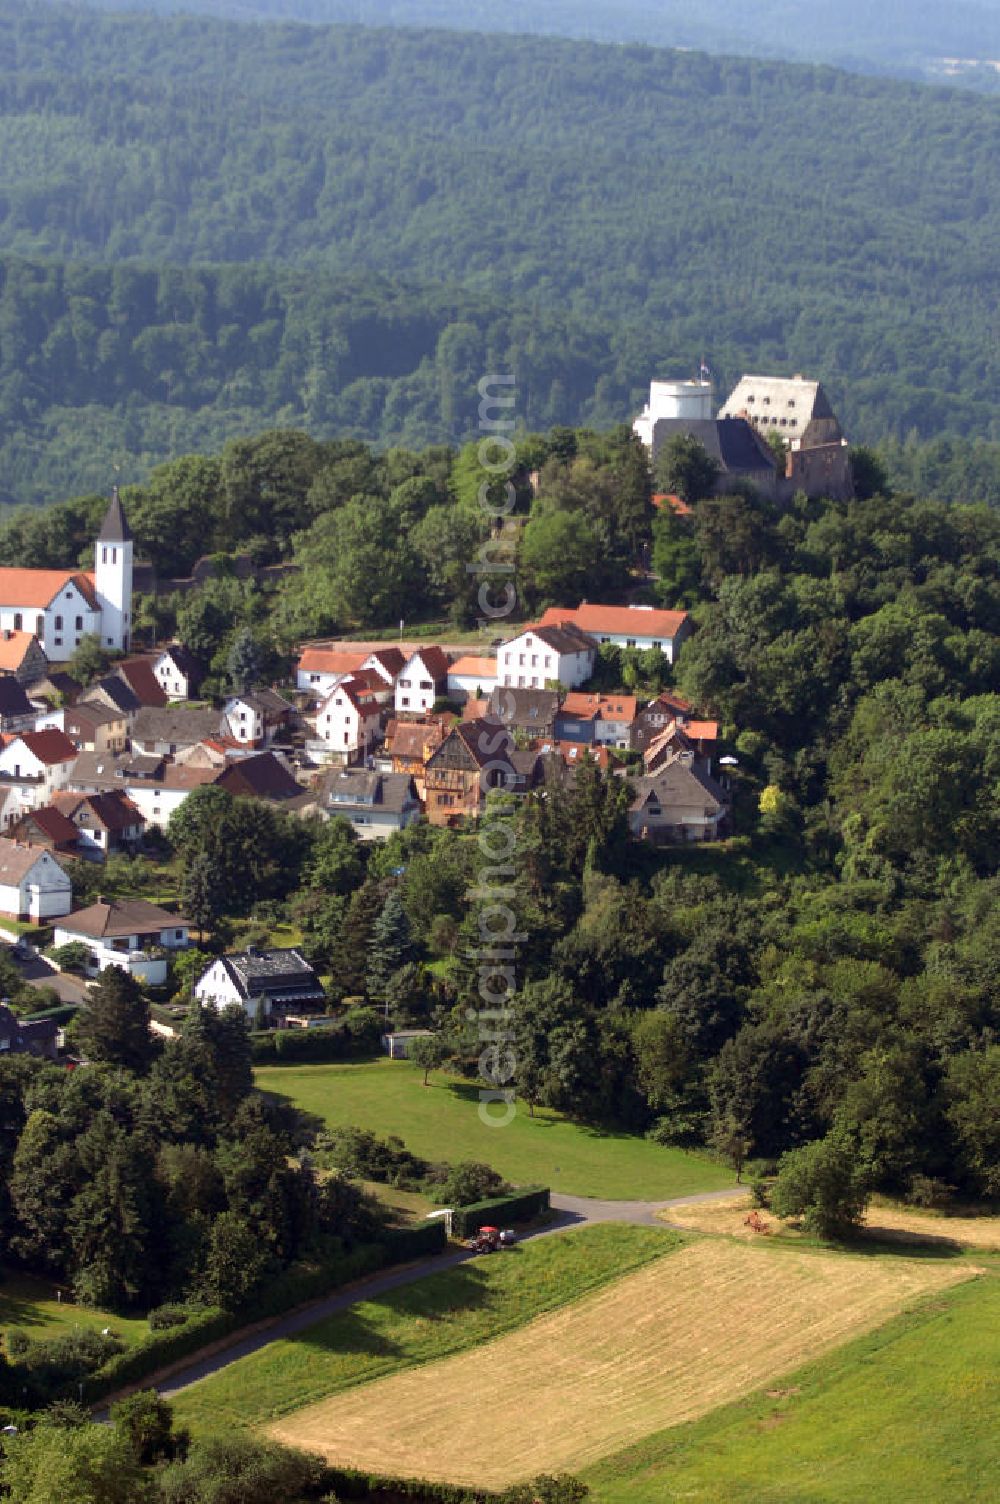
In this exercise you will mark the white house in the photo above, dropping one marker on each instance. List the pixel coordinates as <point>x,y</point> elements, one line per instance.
<point>178,672</point>
<point>254,718</point>
<point>348,722</point>
<point>131,934</point>
<point>422,680</point>
<point>472,678</point>
<point>263,982</point>
<point>32,883</point>
<point>32,767</point>
<point>547,655</point>
<point>627,626</point>
<point>320,669</point>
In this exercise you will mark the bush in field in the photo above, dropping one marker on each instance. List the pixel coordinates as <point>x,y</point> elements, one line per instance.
<point>468,1182</point>
<point>357,1152</point>
<point>823,1183</point>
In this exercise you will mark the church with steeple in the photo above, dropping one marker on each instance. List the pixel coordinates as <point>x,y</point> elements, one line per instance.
<point>60,607</point>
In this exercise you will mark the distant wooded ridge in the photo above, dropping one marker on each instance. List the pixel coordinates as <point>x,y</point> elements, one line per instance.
<point>208,228</point>
<point>908,38</point>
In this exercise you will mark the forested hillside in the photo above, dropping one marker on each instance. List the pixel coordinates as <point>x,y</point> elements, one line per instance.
<point>588,216</point>
<point>907,37</point>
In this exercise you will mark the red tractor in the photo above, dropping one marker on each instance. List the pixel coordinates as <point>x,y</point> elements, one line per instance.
<point>489,1239</point>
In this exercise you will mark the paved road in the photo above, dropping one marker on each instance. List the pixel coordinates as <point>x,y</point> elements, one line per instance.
<point>571,1211</point>
<point>37,972</point>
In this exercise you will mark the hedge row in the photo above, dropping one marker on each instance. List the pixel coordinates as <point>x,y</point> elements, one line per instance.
<point>320,1045</point>
<point>292,1288</point>
<point>61,1013</point>
<point>520,1206</point>
<point>347,1484</point>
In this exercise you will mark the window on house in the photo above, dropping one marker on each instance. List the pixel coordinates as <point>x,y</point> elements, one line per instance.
<point>104,556</point>
<point>17,621</point>
<point>79,624</point>
<point>57,641</point>
<point>40,625</point>
<point>110,640</point>
<point>58,623</point>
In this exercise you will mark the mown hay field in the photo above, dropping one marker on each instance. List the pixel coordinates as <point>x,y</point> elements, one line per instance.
<point>660,1347</point>
<point>886,1223</point>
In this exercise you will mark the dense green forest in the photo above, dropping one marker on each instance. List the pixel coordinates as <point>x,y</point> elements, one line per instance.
<point>401,211</point>
<point>908,37</point>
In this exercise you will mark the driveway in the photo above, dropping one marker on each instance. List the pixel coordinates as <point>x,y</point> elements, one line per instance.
<point>38,972</point>
<point>571,1211</point>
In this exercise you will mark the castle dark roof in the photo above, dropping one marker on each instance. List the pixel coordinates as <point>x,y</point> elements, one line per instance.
<point>114,528</point>
<point>731,442</point>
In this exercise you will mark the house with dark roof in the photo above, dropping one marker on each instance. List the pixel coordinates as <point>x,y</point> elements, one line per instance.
<point>422,680</point>
<point>473,759</point>
<point>28,1036</point>
<point>740,453</point>
<point>16,711</point>
<point>264,775</point>
<point>532,711</point>
<point>556,655</point>
<point>129,933</point>
<point>375,804</point>
<point>116,694</point>
<point>257,717</point>
<point>33,885</point>
<point>680,802</point>
<point>178,671</point>
<point>267,984</point>
<point>155,785</point>
<point>53,689</point>
<point>104,822</point>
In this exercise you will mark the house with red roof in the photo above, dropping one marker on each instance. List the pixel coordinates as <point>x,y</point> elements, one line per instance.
<point>348,722</point>
<point>21,655</point>
<point>32,766</point>
<point>472,678</point>
<point>626,626</point>
<point>320,669</point>
<point>606,720</point>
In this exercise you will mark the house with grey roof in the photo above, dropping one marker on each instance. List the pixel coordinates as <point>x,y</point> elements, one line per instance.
<point>679,802</point>
<point>374,803</point>
<point>167,730</point>
<point>28,1036</point>
<point>267,984</point>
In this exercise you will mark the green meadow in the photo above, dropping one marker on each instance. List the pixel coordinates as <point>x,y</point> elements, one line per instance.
<point>442,1121</point>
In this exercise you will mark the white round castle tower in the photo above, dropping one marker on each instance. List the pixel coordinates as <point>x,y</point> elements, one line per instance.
<point>689,400</point>
<point>113,576</point>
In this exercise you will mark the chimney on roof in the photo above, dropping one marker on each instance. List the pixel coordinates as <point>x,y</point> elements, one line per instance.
<point>7,634</point>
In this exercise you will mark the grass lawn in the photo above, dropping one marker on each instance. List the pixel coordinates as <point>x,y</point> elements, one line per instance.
<point>445,1313</point>
<point>909,1413</point>
<point>441,1121</point>
<point>31,1304</point>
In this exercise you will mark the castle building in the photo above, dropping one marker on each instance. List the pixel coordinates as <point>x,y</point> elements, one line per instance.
<point>816,457</point>
<point>60,607</point>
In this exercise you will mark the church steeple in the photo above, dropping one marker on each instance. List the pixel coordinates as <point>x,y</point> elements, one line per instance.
<point>114,528</point>
<point>113,576</point>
